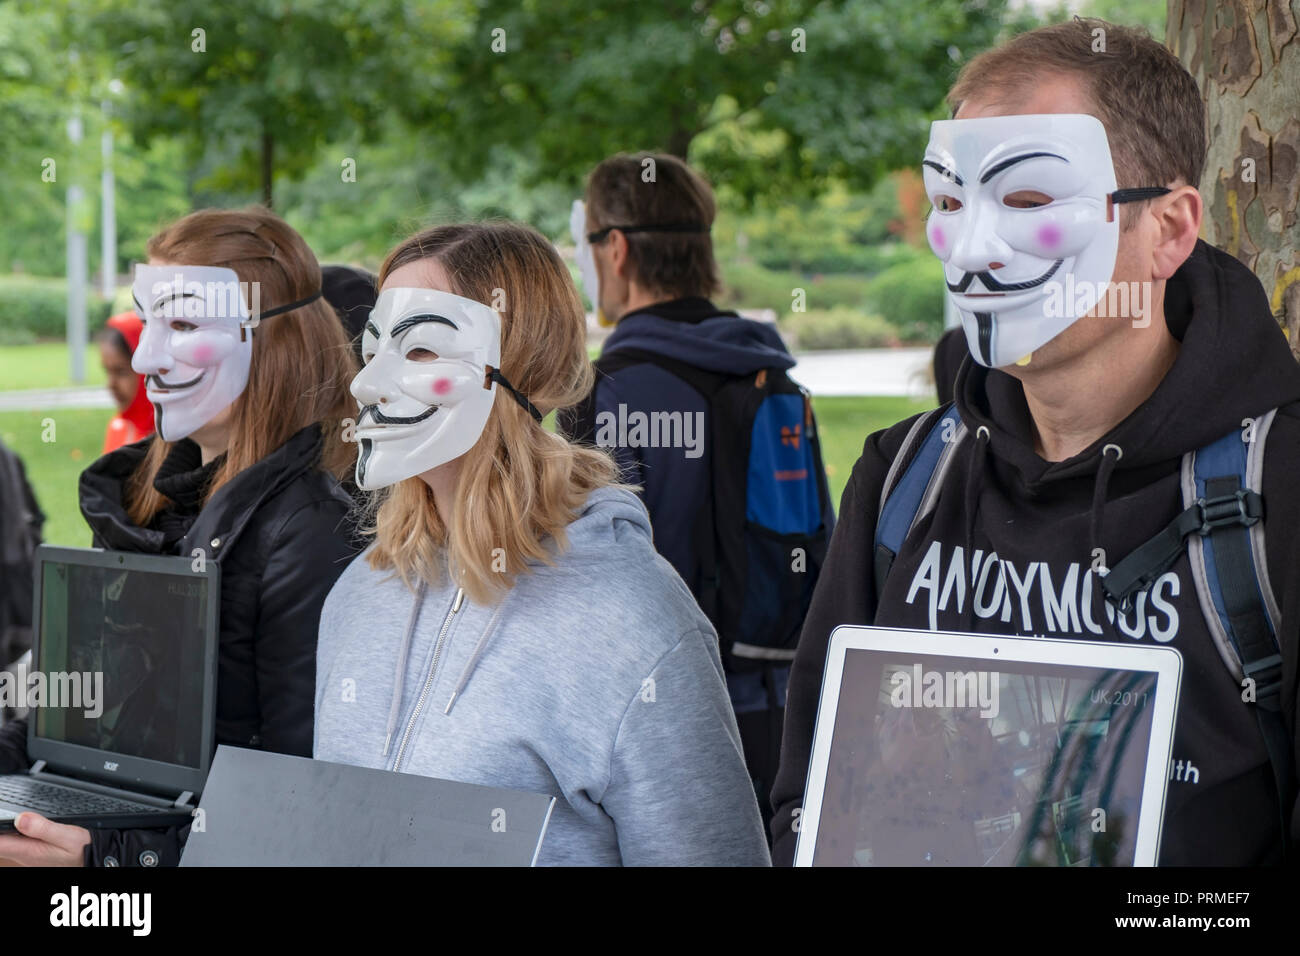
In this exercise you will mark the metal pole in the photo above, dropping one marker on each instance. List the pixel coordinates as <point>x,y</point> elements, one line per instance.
<point>77,274</point>
<point>108,210</point>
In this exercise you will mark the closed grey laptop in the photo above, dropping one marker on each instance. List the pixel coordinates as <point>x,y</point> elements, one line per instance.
<point>267,809</point>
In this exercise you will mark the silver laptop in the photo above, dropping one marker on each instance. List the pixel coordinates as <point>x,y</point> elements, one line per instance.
<point>940,749</point>
<point>268,809</point>
<point>122,689</point>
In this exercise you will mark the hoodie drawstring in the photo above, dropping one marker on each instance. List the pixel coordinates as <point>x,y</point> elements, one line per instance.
<point>394,709</point>
<point>970,507</point>
<point>971,498</point>
<point>1100,486</point>
<point>479,648</point>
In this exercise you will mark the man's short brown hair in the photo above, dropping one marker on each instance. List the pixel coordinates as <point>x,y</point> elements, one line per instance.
<point>621,192</point>
<point>1148,102</point>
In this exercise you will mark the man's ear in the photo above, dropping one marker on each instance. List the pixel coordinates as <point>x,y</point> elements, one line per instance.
<point>618,257</point>
<point>1178,219</point>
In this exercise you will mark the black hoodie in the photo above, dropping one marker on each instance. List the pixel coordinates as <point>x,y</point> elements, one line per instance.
<point>1041,518</point>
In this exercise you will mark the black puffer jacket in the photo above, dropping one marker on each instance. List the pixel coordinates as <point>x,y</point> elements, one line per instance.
<point>281,533</point>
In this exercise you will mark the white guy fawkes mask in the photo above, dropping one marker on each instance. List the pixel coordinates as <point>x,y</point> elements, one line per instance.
<point>428,385</point>
<point>196,344</point>
<point>976,172</point>
<point>586,259</point>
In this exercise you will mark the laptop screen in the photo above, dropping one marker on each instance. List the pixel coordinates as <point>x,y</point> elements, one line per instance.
<point>122,654</point>
<point>939,760</point>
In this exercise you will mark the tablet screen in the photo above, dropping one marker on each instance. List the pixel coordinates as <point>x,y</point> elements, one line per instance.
<point>945,761</point>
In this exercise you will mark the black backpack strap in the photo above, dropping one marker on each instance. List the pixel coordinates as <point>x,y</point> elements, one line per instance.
<point>578,422</point>
<point>705,537</point>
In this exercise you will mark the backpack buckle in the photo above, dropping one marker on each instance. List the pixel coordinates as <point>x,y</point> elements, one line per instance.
<point>1267,675</point>
<point>1242,507</point>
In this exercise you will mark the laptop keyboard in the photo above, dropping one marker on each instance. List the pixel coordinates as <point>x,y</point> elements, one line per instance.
<point>52,799</point>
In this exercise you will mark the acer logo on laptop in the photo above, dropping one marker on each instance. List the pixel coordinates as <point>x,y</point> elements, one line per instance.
<point>110,765</point>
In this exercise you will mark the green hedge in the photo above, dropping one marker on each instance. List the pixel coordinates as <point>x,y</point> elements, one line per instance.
<point>858,260</point>
<point>750,286</point>
<point>35,308</point>
<point>902,285</point>
<point>838,328</point>
<point>910,297</point>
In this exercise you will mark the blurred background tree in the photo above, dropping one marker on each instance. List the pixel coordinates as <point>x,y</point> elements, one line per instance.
<point>256,88</point>
<point>811,89</point>
<point>364,119</point>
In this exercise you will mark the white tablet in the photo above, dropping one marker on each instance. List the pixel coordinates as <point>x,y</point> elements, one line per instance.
<point>942,749</point>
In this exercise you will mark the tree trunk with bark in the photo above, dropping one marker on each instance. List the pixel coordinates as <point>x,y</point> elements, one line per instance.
<point>1245,55</point>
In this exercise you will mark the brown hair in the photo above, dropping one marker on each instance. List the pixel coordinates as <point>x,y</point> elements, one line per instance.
<point>520,483</point>
<point>1146,99</point>
<point>301,362</point>
<point>674,264</point>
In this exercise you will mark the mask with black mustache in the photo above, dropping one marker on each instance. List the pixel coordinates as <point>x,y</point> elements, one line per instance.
<point>195,348</point>
<point>1023,207</point>
<point>427,386</point>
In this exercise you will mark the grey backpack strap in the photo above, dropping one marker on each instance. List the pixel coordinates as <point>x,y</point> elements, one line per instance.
<point>1230,571</point>
<point>1206,575</point>
<point>911,495</point>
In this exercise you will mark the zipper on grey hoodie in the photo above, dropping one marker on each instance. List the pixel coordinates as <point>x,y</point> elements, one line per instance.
<point>428,681</point>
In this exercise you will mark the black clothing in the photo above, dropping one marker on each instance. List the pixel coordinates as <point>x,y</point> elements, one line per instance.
<point>1009,546</point>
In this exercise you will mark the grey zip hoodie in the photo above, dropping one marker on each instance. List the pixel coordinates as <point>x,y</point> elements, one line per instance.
<point>596,680</point>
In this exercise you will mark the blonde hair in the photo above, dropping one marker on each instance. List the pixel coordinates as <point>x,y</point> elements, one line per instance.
<point>520,484</point>
<point>302,362</point>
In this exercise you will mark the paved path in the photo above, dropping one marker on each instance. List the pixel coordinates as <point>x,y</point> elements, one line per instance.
<point>859,372</point>
<point>867,372</point>
<point>95,396</point>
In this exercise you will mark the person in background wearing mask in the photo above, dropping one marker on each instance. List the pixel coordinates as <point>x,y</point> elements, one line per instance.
<point>737,494</point>
<point>248,371</point>
<point>134,418</point>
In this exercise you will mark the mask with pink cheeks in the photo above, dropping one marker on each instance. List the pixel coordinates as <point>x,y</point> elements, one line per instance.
<point>431,370</point>
<point>196,344</point>
<point>1024,223</point>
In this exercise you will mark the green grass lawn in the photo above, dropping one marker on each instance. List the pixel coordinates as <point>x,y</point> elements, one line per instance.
<point>845,423</point>
<point>53,466</point>
<point>44,365</point>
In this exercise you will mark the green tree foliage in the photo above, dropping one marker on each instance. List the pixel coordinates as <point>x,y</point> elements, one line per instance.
<point>255,88</point>
<point>843,89</point>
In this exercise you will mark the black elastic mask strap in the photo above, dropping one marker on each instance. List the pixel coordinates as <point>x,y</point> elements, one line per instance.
<point>267,313</point>
<point>494,375</point>
<point>599,235</point>
<point>1137,194</point>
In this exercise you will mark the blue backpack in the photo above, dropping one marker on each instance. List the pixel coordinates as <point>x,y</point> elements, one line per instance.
<point>761,535</point>
<point>1221,526</point>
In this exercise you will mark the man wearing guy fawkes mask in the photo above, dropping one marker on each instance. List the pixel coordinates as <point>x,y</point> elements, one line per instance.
<point>1064,169</point>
